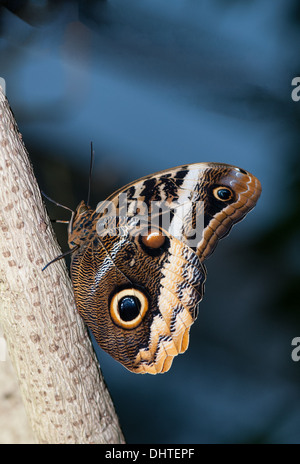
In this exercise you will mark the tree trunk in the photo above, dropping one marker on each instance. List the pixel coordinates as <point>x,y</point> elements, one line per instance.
<point>63,391</point>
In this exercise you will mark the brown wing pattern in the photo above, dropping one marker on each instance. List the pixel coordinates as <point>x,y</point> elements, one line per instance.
<point>171,282</point>
<point>193,186</point>
<point>139,300</point>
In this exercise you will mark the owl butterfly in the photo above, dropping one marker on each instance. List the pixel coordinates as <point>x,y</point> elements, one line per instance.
<point>138,288</point>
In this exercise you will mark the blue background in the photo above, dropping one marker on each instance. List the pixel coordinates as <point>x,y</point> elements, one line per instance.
<point>155,84</point>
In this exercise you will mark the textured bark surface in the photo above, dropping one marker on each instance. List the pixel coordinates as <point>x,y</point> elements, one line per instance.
<point>14,425</point>
<point>62,388</point>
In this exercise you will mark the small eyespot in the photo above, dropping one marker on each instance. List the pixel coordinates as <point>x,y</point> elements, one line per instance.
<point>241,170</point>
<point>223,193</point>
<point>128,308</point>
<point>154,240</point>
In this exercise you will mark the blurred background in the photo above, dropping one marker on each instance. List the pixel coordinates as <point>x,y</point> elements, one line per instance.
<point>155,84</point>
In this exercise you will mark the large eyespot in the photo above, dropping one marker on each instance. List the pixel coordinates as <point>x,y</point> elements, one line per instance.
<point>128,307</point>
<point>223,193</point>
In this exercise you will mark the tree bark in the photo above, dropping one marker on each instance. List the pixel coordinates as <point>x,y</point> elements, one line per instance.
<point>61,384</point>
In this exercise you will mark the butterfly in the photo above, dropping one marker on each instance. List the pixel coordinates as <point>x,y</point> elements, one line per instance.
<point>137,259</point>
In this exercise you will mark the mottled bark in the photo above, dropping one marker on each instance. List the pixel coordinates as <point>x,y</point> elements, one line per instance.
<point>61,384</point>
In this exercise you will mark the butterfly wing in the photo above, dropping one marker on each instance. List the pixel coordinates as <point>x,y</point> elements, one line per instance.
<point>193,210</point>
<point>140,299</point>
<point>165,289</point>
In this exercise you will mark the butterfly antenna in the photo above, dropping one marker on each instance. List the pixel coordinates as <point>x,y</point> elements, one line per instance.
<point>90,174</point>
<point>56,203</point>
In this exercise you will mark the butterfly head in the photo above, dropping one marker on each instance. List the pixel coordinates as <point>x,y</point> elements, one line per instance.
<point>80,226</point>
